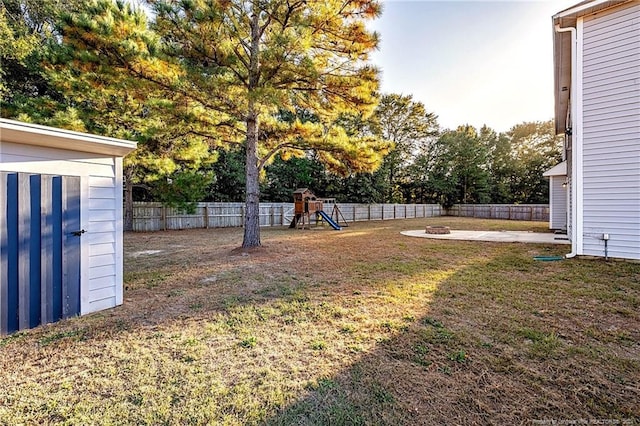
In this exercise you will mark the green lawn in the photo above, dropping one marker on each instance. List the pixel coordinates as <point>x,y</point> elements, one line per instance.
<point>360,326</point>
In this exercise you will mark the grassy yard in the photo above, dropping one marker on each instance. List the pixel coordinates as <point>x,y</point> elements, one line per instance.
<point>361,326</point>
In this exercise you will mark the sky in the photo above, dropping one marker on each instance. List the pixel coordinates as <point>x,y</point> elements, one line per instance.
<point>471,62</point>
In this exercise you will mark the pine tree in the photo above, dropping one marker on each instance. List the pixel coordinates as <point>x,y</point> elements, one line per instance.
<point>87,67</point>
<point>233,69</point>
<point>412,130</point>
<point>535,148</point>
<point>252,61</point>
<point>461,173</point>
<point>26,28</point>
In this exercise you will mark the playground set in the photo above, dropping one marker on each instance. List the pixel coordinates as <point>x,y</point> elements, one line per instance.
<point>307,204</point>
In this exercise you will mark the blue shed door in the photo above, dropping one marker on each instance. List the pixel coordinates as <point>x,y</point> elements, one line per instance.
<point>39,249</point>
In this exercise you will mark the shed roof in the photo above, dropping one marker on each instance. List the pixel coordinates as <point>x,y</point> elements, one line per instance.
<point>559,169</point>
<point>35,134</point>
<point>562,52</point>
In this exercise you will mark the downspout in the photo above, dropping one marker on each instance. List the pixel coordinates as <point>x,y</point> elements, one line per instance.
<point>574,151</point>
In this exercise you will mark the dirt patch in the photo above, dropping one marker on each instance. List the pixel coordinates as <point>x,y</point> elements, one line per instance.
<point>261,251</point>
<point>144,253</point>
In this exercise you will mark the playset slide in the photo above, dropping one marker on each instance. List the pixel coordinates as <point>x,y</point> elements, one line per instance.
<point>329,220</point>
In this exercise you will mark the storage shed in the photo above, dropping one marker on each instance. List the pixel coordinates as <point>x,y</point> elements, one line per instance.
<point>557,196</point>
<point>60,224</point>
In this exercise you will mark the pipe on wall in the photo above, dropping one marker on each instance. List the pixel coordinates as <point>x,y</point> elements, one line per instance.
<point>574,151</point>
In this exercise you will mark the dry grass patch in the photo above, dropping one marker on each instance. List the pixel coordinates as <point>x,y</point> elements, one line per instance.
<point>361,326</point>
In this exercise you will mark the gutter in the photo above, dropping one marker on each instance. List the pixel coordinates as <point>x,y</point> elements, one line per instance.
<point>574,151</point>
<point>589,7</point>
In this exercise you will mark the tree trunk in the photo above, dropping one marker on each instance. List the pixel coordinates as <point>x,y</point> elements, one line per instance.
<point>252,209</point>
<point>391,180</point>
<point>128,200</point>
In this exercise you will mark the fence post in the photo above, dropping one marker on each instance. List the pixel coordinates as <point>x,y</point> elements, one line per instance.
<point>271,212</point>
<point>509,212</point>
<point>242,216</point>
<point>530,213</point>
<point>354,213</point>
<point>382,211</point>
<point>206,216</point>
<point>163,217</point>
<point>369,213</point>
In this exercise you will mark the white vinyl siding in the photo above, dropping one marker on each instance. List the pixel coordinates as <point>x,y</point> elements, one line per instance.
<point>99,263</point>
<point>558,201</point>
<point>611,132</point>
<point>570,185</point>
<point>102,256</point>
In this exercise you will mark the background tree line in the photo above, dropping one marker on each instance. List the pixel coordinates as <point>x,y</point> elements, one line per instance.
<point>247,100</point>
<point>426,165</point>
<point>465,165</point>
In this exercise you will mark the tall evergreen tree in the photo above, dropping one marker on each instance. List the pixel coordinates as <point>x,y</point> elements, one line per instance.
<point>111,101</point>
<point>412,130</point>
<point>283,177</point>
<point>235,66</point>
<point>501,164</point>
<point>535,149</point>
<point>26,28</point>
<point>461,172</point>
<point>228,176</point>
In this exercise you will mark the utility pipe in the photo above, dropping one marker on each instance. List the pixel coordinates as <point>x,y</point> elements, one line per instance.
<point>574,151</point>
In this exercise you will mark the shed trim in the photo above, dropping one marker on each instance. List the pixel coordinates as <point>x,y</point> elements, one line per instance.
<point>38,135</point>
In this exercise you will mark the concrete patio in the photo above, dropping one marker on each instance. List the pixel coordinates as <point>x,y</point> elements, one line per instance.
<point>494,236</point>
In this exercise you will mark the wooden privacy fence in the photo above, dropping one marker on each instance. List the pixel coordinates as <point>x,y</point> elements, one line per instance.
<point>534,212</point>
<point>362,212</point>
<point>156,217</point>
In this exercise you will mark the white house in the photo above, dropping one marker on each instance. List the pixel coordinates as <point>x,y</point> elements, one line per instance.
<point>60,224</point>
<point>597,106</point>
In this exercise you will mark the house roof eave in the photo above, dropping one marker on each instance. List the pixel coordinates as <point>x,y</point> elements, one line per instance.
<point>562,53</point>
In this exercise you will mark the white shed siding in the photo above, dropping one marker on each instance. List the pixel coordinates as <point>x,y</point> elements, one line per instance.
<point>98,216</point>
<point>611,131</point>
<point>102,256</point>
<point>558,201</point>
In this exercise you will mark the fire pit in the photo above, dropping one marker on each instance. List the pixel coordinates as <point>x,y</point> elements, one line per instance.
<point>438,230</point>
